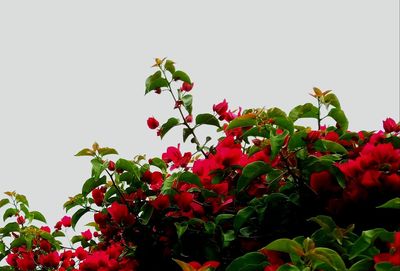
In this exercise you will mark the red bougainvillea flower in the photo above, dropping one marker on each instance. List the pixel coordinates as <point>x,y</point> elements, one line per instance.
<point>161,202</point>
<point>66,221</point>
<point>98,196</point>
<point>111,166</point>
<point>20,220</point>
<point>87,235</point>
<point>152,123</point>
<point>393,256</point>
<point>389,125</point>
<point>50,260</point>
<point>119,212</point>
<point>174,155</point>
<point>221,107</point>
<point>187,86</point>
<point>323,182</point>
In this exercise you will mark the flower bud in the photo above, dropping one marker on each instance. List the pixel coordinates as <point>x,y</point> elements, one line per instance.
<point>152,123</point>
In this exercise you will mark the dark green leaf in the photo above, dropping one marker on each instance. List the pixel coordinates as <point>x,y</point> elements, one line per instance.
<point>91,184</point>
<point>209,227</point>
<point>58,234</point>
<point>285,123</point>
<point>297,140</point>
<point>391,204</point>
<point>208,119</point>
<point>362,265</point>
<point>252,171</point>
<point>4,202</point>
<point>242,217</point>
<point>150,80</point>
<point>18,242</point>
<point>169,66</point>
<point>9,213</point>
<point>107,151</point>
<point>187,103</point>
<point>286,245</point>
<point>77,238</point>
<point>186,133</point>
<point>340,118</point>
<point>222,217</point>
<point>325,222</point>
<point>329,146</point>
<point>307,110</point>
<point>328,256</point>
<point>181,228</point>
<point>10,227</point>
<point>180,75</point>
<point>191,178</point>
<point>367,239</point>
<point>256,260</point>
<point>38,216</point>
<point>86,152</point>
<point>277,142</point>
<point>77,215</point>
<point>242,122</point>
<point>145,213</point>
<point>171,122</point>
<point>288,267</point>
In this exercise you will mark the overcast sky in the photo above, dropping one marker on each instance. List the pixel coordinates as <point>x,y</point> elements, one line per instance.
<point>73,72</point>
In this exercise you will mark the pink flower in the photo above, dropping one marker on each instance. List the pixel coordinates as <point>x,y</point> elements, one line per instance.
<point>87,235</point>
<point>66,221</point>
<point>221,108</point>
<point>390,126</point>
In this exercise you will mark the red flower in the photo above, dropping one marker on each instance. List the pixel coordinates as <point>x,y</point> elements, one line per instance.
<point>322,182</point>
<point>221,108</point>
<point>81,253</point>
<point>187,86</point>
<point>174,155</point>
<point>66,221</point>
<point>98,196</point>
<point>152,123</point>
<point>119,212</point>
<point>87,235</point>
<point>50,260</point>
<point>183,200</point>
<point>161,202</point>
<point>26,262</point>
<point>393,256</point>
<point>20,220</point>
<point>390,125</point>
<point>111,166</point>
<point>45,245</point>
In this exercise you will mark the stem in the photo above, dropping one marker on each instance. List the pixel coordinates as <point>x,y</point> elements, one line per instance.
<point>116,187</point>
<point>196,141</point>
<point>319,114</point>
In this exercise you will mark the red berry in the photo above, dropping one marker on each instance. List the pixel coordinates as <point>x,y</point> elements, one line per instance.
<point>187,86</point>
<point>152,123</point>
<point>111,166</point>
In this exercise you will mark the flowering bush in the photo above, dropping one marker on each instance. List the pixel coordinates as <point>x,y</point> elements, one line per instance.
<point>267,195</point>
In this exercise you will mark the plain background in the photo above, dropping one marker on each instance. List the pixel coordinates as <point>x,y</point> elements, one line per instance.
<point>73,72</point>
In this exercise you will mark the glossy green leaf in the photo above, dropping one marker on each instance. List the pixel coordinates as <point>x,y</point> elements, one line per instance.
<point>145,213</point>
<point>340,118</point>
<point>171,122</point>
<point>329,257</point>
<point>38,216</point>
<point>367,239</point>
<point>191,178</point>
<point>150,81</point>
<point>58,234</point>
<point>242,216</point>
<point>242,122</point>
<point>77,238</point>
<point>186,133</point>
<point>91,184</point>
<point>180,75</point>
<point>285,123</point>
<point>181,228</point>
<point>277,142</point>
<point>21,199</point>
<point>86,152</point>
<point>362,265</point>
<point>223,217</point>
<point>18,242</point>
<point>187,103</point>
<point>331,99</point>
<point>98,166</point>
<point>325,222</point>
<point>253,261</point>
<point>287,246</point>
<point>167,184</point>
<point>297,140</point>
<point>10,227</point>
<point>157,162</point>
<point>77,215</point>
<point>4,202</point>
<point>252,171</point>
<point>106,151</point>
<point>169,66</point>
<point>307,110</point>
<point>208,119</point>
<point>391,204</point>
<point>9,213</point>
<point>329,146</point>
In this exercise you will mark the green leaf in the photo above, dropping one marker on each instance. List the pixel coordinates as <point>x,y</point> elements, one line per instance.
<point>391,204</point>
<point>287,246</point>
<point>186,133</point>
<point>180,75</point>
<point>145,213</point>
<point>77,238</point>
<point>98,166</point>
<point>222,217</point>
<point>91,184</point>
<point>331,99</point>
<point>58,234</point>
<point>277,142</point>
<point>329,146</point>
<point>22,199</point>
<point>250,172</point>
<point>255,260</point>
<point>171,122</point>
<point>228,236</point>
<point>242,121</point>
<point>284,123</point>
<point>9,213</point>
<point>209,227</point>
<point>307,110</point>
<point>167,184</point>
<point>107,151</point>
<point>367,239</point>
<point>288,267</point>
<point>325,222</point>
<point>77,215</point>
<point>328,256</point>
<point>149,85</point>
<point>4,202</point>
<point>297,140</point>
<point>10,227</point>
<point>362,265</point>
<point>157,162</point>
<point>208,119</point>
<point>191,178</point>
<point>242,216</point>
<point>18,242</point>
<point>340,118</point>
<point>169,66</point>
<point>49,237</point>
<point>86,152</point>
<point>127,165</point>
<point>187,103</point>
<point>181,228</point>
<point>38,216</point>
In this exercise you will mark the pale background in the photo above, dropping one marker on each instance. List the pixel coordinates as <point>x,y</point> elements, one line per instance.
<point>73,72</point>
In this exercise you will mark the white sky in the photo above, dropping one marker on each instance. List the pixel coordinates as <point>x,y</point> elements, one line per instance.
<point>73,72</point>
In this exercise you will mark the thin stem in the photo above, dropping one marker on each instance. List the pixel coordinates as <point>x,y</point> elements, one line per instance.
<point>196,141</point>
<point>319,114</point>
<point>116,187</point>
